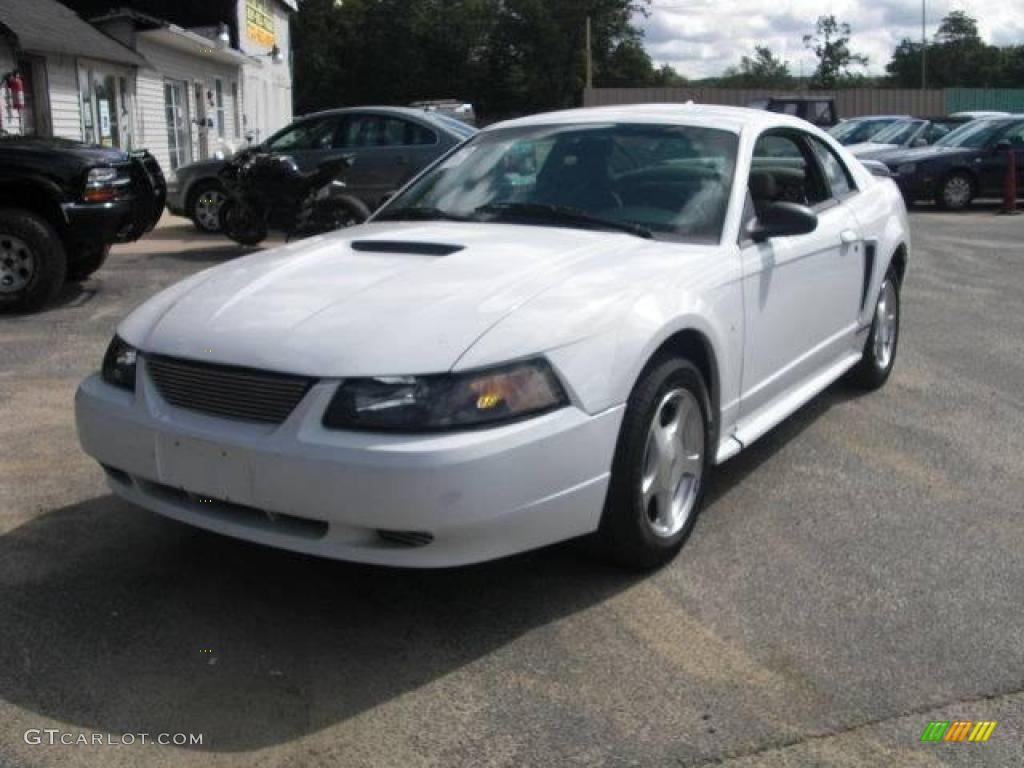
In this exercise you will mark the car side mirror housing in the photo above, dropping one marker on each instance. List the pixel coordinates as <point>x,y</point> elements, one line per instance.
<point>783,220</point>
<point>919,142</point>
<point>1003,145</point>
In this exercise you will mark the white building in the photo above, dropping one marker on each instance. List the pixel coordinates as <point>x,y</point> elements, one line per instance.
<point>136,81</point>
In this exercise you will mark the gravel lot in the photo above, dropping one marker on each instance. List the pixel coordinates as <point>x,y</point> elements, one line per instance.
<point>857,573</point>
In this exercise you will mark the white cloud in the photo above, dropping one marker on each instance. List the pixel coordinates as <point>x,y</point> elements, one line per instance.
<point>700,38</point>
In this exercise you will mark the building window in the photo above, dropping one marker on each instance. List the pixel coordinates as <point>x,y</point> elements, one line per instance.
<point>219,106</point>
<point>237,106</point>
<point>179,144</point>
<point>259,21</point>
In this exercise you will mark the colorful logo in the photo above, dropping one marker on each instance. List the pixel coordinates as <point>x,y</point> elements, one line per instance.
<point>958,730</point>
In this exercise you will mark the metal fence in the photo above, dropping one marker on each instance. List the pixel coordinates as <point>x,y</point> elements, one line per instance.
<point>849,101</point>
<point>1003,99</point>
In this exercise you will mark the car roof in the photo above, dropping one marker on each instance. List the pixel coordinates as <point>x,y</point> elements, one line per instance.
<point>732,119</point>
<point>408,112</point>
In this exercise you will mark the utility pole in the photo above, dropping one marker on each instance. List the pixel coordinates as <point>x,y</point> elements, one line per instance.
<point>924,49</point>
<point>590,59</point>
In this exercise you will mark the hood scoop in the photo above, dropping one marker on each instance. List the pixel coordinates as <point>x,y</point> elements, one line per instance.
<point>399,246</point>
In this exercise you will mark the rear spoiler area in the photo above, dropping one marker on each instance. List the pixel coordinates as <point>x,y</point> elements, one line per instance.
<point>877,168</point>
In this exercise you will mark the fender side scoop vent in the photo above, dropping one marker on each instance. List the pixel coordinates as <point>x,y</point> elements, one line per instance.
<point>397,246</point>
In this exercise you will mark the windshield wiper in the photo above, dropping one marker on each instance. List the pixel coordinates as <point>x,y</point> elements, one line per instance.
<point>419,214</point>
<point>564,214</point>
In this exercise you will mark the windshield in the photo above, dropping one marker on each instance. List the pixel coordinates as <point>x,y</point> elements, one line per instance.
<point>973,135</point>
<point>898,133</point>
<point>668,181</point>
<point>856,131</point>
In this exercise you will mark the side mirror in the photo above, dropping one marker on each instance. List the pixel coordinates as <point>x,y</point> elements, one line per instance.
<point>783,220</point>
<point>1003,145</point>
<point>919,142</point>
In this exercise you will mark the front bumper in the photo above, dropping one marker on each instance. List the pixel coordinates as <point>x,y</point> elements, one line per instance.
<point>439,499</point>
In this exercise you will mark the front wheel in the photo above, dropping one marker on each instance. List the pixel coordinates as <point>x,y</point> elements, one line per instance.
<point>207,200</point>
<point>880,348</point>
<point>242,224</point>
<point>32,261</point>
<point>661,460</point>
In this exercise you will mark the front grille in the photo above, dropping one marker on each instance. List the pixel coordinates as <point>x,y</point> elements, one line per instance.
<point>227,391</point>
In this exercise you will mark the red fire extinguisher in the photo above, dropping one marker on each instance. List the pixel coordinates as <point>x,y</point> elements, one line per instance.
<point>17,88</point>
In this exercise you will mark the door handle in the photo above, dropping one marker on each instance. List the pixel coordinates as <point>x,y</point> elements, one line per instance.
<point>849,237</point>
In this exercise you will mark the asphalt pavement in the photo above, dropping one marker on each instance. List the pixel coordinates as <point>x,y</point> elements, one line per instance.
<point>856,574</point>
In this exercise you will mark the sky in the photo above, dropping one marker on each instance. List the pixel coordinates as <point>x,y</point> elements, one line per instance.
<point>700,38</point>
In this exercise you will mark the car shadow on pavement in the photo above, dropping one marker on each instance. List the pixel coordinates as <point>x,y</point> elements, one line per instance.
<point>117,620</point>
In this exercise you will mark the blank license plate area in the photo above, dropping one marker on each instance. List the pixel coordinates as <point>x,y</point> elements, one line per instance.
<point>204,468</point>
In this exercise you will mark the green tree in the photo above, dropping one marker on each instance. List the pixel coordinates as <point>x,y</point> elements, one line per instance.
<point>957,56</point>
<point>831,44</point>
<point>506,56</point>
<point>762,70</point>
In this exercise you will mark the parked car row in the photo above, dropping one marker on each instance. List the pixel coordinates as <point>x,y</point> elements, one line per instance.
<point>949,160</point>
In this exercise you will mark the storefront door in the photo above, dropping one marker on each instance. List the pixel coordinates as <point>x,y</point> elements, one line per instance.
<point>106,107</point>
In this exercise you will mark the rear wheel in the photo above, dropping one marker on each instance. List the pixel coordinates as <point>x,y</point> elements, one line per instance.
<point>880,348</point>
<point>661,460</point>
<point>956,192</point>
<point>32,261</point>
<point>241,223</point>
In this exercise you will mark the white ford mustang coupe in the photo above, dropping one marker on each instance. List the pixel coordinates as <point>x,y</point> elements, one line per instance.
<point>556,330</point>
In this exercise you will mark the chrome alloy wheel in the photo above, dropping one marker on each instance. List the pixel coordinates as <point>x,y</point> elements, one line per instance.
<point>207,209</point>
<point>957,192</point>
<point>17,264</point>
<point>673,463</point>
<point>886,324</point>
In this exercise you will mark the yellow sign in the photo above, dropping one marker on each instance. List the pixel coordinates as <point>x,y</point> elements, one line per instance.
<point>259,21</point>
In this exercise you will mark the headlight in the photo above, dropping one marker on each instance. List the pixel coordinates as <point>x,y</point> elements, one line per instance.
<point>906,169</point>
<point>100,176</point>
<point>446,401</point>
<point>119,364</point>
<point>104,185</point>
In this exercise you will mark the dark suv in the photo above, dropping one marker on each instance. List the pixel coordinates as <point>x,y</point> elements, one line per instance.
<point>819,111</point>
<point>62,204</point>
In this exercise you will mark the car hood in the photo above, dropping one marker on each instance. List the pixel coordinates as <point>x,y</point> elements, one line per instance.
<point>328,307</point>
<point>923,154</point>
<point>88,154</point>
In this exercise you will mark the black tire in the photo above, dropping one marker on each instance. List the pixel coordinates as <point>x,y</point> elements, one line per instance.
<point>956,191</point>
<point>32,261</point>
<point>352,211</point>
<point>874,368</point>
<point>204,223</point>
<point>626,534</point>
<point>86,262</point>
<point>241,225</point>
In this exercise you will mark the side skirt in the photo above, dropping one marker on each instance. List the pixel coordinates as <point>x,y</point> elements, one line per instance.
<point>749,430</point>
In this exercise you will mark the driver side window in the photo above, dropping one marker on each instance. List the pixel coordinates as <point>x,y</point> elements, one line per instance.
<point>783,170</point>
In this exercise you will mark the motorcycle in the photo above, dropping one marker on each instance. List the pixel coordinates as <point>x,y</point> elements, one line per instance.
<point>267,191</point>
